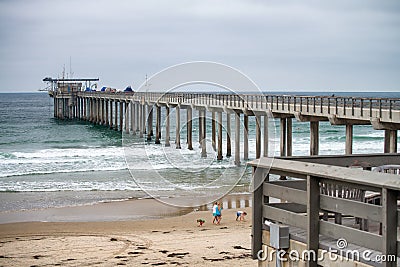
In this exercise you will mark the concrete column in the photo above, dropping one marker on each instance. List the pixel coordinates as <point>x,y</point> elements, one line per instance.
<point>111,114</point>
<point>289,137</point>
<point>237,139</point>
<point>228,135</point>
<point>390,141</point>
<point>314,137</point>
<point>265,136</point>
<point>137,105</point>
<point>167,126</point>
<point>106,112</point>
<point>144,117</point>
<point>149,122</point>
<point>349,139</point>
<point>96,112</point>
<point>258,137</point>
<point>140,122</point>
<point>283,137</point>
<point>219,157</point>
<point>132,129</point>
<point>121,115</point>
<point>246,137</point>
<point>204,135</point>
<point>178,127</point>
<point>158,124</point>
<point>213,130</point>
<point>200,127</point>
<point>116,115</point>
<point>189,128</point>
<point>127,116</point>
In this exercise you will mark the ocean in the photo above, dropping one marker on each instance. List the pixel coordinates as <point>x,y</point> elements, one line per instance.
<point>45,162</point>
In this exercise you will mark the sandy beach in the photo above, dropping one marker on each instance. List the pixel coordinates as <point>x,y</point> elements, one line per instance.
<point>175,240</point>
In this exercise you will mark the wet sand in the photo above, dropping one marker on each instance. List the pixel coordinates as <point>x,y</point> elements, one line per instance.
<point>174,241</point>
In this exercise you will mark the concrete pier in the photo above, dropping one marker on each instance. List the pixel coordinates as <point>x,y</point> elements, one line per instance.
<point>134,113</point>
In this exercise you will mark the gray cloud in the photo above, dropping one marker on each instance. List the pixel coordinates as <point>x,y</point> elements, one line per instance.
<point>281,45</point>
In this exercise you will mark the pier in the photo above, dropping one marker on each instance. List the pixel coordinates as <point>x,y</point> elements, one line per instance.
<point>140,113</point>
<point>318,199</point>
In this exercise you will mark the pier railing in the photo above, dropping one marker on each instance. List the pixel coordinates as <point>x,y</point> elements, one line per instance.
<point>305,198</point>
<point>356,108</point>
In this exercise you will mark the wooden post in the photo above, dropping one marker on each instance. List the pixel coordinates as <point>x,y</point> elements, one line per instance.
<point>246,137</point>
<point>265,136</point>
<point>219,156</point>
<point>389,225</point>
<point>349,139</point>
<point>237,139</point>
<point>189,128</point>
<point>167,130</point>
<point>178,127</point>
<point>228,135</point>
<point>314,138</point>
<point>259,177</point>
<point>312,218</point>
<point>200,127</point>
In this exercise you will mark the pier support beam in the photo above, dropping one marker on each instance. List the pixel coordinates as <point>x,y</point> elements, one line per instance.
<point>149,122</point>
<point>213,130</point>
<point>111,114</point>
<point>390,141</point>
<point>144,115</point>
<point>137,105</point>
<point>258,137</point>
<point>107,121</point>
<point>158,124</point>
<point>167,126</point>
<point>121,115</point>
<point>246,137</point>
<point>127,116</point>
<point>219,156</point>
<point>349,139</point>
<point>133,117</point>
<point>228,135</point>
<point>203,134</point>
<point>283,144</point>
<point>314,138</point>
<point>200,126</point>
<point>265,148</point>
<point>178,127</point>
<point>189,116</point>
<point>237,139</point>
<point>116,115</point>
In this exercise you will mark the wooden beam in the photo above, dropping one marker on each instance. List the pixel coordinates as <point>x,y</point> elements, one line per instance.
<point>312,217</point>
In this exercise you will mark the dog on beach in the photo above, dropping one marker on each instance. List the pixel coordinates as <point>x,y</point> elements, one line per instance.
<point>200,222</point>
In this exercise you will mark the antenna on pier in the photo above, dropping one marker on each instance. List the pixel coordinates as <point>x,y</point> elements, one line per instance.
<point>147,84</point>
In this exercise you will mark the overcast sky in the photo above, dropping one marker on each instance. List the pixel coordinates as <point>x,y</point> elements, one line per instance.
<point>281,45</point>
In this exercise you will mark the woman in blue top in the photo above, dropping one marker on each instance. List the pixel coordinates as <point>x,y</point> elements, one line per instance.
<point>218,213</point>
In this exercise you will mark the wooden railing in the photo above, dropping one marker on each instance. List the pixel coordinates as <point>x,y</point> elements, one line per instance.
<point>387,109</point>
<point>303,203</point>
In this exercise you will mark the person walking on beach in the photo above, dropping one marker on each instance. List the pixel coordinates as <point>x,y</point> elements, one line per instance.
<point>214,211</point>
<point>240,215</point>
<point>219,213</point>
